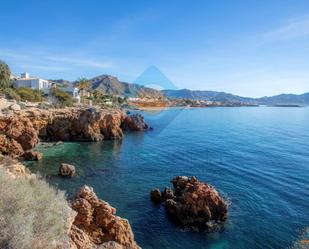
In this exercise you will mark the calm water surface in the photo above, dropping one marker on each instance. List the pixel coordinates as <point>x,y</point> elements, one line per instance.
<point>258,158</point>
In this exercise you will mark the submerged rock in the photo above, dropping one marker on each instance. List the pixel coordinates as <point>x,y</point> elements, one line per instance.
<point>156,195</point>
<point>67,170</point>
<point>96,223</point>
<point>193,204</point>
<point>32,155</point>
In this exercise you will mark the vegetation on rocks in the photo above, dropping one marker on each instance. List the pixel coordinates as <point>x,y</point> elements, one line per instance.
<point>28,94</point>
<point>61,98</point>
<point>5,74</point>
<point>32,214</point>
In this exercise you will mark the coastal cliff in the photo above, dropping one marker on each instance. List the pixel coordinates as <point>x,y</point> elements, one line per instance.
<point>21,131</point>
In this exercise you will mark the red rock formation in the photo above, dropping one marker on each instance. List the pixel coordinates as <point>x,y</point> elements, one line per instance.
<point>134,122</point>
<point>74,124</point>
<point>9,146</point>
<point>67,170</point>
<point>193,203</point>
<point>96,222</point>
<point>21,131</point>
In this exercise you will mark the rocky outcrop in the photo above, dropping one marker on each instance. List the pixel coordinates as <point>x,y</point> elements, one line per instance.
<point>17,135</point>
<point>20,132</point>
<point>192,203</point>
<point>75,124</point>
<point>96,223</point>
<point>134,122</point>
<point>66,170</point>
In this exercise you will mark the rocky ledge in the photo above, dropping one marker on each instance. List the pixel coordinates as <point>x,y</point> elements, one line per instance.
<point>97,225</point>
<point>134,122</point>
<point>21,131</point>
<point>91,223</point>
<point>192,203</point>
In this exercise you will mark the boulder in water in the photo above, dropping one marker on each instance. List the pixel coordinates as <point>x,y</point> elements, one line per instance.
<point>66,170</point>
<point>193,204</point>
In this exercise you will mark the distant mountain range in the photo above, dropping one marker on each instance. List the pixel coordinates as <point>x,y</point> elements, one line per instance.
<point>282,99</point>
<point>152,76</point>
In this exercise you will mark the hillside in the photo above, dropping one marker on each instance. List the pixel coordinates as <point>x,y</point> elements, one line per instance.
<point>282,99</point>
<point>207,95</point>
<point>286,99</point>
<point>111,85</point>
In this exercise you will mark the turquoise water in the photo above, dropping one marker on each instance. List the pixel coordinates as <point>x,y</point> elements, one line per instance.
<point>257,157</point>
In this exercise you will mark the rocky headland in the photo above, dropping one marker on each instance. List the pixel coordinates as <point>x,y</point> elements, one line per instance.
<point>20,131</point>
<point>96,223</point>
<point>192,203</point>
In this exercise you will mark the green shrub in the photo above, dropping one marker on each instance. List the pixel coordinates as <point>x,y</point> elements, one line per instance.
<point>62,98</point>
<point>11,93</point>
<point>5,74</point>
<point>28,94</point>
<point>33,215</point>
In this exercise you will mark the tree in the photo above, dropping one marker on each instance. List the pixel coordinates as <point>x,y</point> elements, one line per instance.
<point>82,84</point>
<point>62,98</point>
<point>5,75</point>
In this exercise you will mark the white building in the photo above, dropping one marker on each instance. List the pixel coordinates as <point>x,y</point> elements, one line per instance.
<point>32,82</point>
<point>74,91</point>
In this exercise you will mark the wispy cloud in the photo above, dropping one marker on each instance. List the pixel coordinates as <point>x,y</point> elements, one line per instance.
<point>80,62</point>
<point>292,29</point>
<point>47,68</point>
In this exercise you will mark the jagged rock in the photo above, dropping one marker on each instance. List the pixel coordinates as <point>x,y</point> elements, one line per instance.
<point>194,204</point>
<point>67,170</point>
<point>134,122</point>
<point>15,107</point>
<point>110,245</point>
<point>10,146</point>
<point>168,194</point>
<point>156,195</point>
<point>23,129</point>
<point>32,156</point>
<point>19,129</point>
<point>99,223</point>
<point>79,239</point>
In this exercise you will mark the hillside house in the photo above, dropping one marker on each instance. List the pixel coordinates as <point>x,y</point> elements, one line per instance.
<point>32,82</point>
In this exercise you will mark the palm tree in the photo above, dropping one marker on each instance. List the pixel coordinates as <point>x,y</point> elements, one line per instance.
<point>83,86</point>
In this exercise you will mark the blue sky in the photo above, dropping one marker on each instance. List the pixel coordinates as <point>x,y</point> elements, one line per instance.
<point>246,47</point>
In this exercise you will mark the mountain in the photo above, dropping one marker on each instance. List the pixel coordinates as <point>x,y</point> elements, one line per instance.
<point>111,85</point>
<point>282,99</point>
<point>208,95</point>
<point>286,99</point>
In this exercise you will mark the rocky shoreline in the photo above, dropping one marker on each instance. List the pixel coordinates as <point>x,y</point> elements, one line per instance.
<point>21,131</point>
<point>91,223</point>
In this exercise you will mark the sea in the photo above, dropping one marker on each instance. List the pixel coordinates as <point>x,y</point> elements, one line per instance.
<point>256,157</point>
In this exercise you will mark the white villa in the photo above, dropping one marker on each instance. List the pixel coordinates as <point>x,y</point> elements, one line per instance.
<point>73,91</point>
<point>32,82</point>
